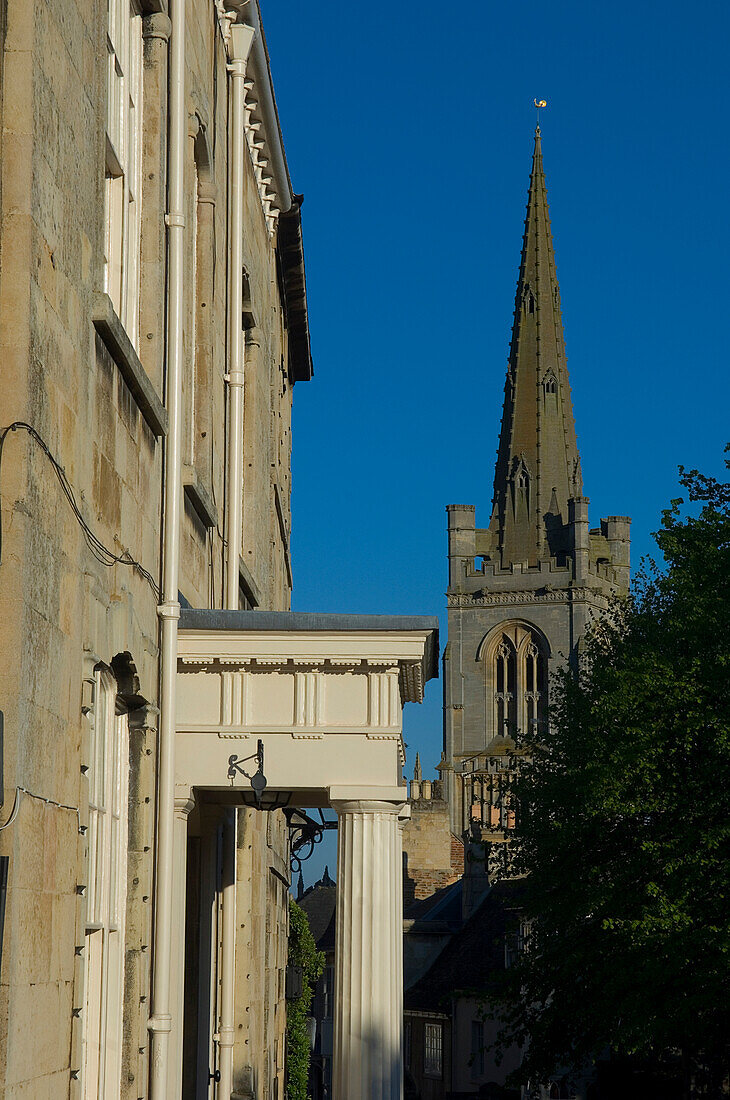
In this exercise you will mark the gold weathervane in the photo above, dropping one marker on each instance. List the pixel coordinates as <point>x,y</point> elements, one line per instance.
<point>539,103</point>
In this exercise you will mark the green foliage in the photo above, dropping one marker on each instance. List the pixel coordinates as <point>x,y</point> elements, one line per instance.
<point>624,825</point>
<point>303,953</point>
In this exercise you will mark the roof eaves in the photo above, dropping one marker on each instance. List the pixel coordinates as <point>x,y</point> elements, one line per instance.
<point>291,257</point>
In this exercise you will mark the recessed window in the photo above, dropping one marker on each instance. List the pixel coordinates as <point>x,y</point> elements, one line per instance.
<point>106,893</point>
<point>551,384</point>
<point>123,177</point>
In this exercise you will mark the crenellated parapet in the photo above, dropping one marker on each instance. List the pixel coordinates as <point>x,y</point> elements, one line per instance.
<point>595,557</point>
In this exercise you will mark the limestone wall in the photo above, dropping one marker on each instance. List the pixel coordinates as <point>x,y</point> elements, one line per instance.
<point>433,858</point>
<point>62,612</point>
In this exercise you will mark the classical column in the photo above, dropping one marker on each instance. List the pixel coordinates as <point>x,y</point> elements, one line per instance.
<point>368,1020</point>
<point>403,818</point>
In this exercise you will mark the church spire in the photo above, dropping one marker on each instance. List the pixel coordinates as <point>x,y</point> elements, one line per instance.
<point>538,468</point>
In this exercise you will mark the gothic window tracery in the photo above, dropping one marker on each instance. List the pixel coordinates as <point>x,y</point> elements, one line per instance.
<point>505,671</point>
<point>516,672</point>
<point>514,658</point>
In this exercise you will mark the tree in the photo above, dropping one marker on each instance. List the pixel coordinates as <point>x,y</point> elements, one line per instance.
<point>303,954</point>
<point>624,826</point>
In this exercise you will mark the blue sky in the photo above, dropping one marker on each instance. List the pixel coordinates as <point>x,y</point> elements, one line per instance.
<point>409,129</point>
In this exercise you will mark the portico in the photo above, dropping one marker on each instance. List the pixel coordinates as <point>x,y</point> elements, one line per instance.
<point>314,702</point>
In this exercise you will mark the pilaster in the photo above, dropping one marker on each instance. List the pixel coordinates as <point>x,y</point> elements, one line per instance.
<point>184,803</point>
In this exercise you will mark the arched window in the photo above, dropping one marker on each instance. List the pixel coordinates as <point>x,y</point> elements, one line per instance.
<point>550,384</point>
<point>514,657</point>
<point>516,682</point>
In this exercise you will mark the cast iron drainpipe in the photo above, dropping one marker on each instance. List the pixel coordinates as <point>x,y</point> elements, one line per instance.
<point>240,40</point>
<point>160,1021</point>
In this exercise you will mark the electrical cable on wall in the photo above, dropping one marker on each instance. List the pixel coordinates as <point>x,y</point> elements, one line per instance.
<point>48,801</point>
<point>102,553</point>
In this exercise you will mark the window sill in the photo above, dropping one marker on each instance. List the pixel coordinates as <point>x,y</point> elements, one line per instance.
<point>248,584</point>
<point>199,497</point>
<point>115,340</point>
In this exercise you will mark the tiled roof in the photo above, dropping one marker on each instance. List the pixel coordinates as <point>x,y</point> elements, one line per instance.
<point>472,956</point>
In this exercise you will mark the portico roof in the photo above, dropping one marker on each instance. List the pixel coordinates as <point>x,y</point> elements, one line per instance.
<point>205,619</point>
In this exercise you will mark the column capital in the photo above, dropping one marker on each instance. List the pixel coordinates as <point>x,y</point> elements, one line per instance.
<point>144,718</point>
<point>368,799</point>
<point>184,802</point>
<point>156,24</point>
<point>366,806</point>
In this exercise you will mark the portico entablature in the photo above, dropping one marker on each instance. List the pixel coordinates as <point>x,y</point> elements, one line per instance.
<point>323,693</point>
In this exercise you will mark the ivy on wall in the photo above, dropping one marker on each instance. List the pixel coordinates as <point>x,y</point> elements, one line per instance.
<point>303,954</point>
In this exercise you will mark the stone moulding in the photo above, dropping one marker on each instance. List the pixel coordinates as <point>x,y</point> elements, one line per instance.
<point>503,599</point>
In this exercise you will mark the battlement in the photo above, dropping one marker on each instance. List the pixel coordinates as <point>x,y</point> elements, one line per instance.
<point>601,553</point>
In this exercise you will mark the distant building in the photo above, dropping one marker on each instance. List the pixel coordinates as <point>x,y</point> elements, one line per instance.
<point>447,1032</point>
<point>318,902</point>
<point>521,593</point>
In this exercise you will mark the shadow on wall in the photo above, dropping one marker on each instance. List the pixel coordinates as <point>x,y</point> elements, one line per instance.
<point>374,1058</point>
<point>409,884</point>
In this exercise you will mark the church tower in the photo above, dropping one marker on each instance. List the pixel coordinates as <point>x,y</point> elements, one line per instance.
<point>522,590</point>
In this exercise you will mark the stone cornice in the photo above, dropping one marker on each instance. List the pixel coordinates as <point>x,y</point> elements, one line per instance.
<point>261,121</point>
<point>506,599</point>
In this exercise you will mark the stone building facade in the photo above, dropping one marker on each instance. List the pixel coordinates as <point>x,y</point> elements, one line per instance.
<point>86,330</point>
